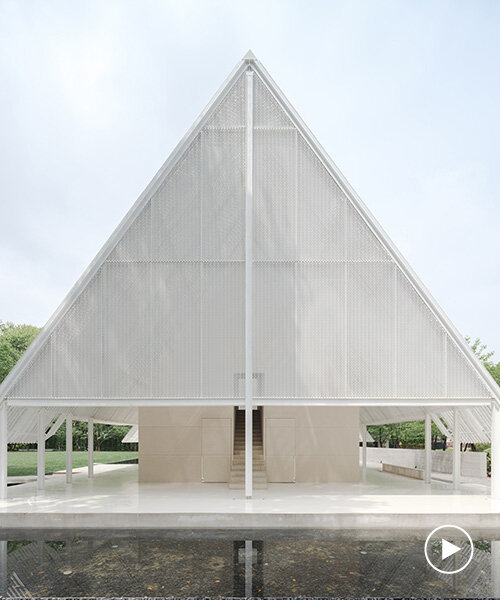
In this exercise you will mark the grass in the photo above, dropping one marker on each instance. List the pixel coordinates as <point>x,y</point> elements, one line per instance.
<point>24,463</point>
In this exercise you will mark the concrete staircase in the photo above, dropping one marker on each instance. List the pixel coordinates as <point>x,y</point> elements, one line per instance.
<point>237,477</point>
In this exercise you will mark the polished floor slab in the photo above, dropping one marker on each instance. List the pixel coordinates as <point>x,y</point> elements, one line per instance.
<point>114,498</point>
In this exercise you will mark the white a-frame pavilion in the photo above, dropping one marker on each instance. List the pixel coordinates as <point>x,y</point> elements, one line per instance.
<point>249,260</point>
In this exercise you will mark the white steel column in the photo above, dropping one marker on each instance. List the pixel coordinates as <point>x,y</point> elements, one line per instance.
<point>248,288</point>
<point>428,447</point>
<point>40,450</point>
<point>456,449</point>
<point>69,449</point>
<point>495,450</point>
<point>3,450</point>
<point>363,450</point>
<point>91,448</point>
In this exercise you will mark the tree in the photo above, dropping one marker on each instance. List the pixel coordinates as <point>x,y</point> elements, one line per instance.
<point>14,339</point>
<point>409,434</point>
<point>485,356</point>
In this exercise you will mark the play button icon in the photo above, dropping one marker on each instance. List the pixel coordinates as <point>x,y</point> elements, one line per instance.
<point>448,549</point>
<point>447,556</point>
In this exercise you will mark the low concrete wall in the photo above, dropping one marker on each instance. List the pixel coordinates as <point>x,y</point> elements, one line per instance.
<point>473,463</point>
<point>404,471</point>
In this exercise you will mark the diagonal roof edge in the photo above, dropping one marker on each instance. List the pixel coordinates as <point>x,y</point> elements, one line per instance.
<point>378,231</point>
<point>122,227</point>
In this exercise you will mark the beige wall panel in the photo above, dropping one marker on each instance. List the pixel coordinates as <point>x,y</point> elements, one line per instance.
<point>323,441</point>
<point>280,437</point>
<point>324,469</point>
<point>181,415</point>
<point>337,416</point>
<point>215,469</point>
<point>169,469</point>
<point>173,441</point>
<point>326,443</point>
<point>280,469</point>
<point>216,437</point>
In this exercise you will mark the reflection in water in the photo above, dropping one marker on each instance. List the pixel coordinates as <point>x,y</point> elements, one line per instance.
<point>232,563</point>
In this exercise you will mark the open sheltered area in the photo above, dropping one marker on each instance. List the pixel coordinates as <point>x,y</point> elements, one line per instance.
<point>249,317</point>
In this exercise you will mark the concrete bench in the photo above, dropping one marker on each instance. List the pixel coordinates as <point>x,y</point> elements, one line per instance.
<point>404,471</point>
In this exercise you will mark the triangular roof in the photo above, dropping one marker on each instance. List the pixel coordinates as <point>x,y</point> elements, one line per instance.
<point>350,237</point>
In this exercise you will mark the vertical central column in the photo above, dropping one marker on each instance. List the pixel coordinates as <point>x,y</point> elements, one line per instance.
<point>248,287</point>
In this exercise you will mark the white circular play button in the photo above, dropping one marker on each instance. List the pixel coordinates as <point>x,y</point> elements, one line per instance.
<point>448,549</point>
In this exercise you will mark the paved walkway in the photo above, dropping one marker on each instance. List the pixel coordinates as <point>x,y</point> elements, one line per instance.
<point>114,498</point>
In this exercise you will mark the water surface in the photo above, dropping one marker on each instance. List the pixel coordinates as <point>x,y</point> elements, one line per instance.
<point>230,563</point>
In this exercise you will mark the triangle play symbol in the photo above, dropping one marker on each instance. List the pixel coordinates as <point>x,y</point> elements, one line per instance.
<point>448,549</point>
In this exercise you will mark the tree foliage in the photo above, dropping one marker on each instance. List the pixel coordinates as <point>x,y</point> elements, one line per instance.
<point>409,434</point>
<point>14,339</point>
<point>485,356</point>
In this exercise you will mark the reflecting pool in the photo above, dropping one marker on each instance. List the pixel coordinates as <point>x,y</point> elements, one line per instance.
<point>232,563</point>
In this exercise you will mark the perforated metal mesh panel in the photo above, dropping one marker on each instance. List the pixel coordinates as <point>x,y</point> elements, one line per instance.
<point>321,209</point>
<point>136,243</point>
<point>274,335</point>
<point>126,363</point>
<point>176,210</point>
<point>421,354</point>
<point>37,380</point>
<point>275,194</point>
<point>223,194</point>
<point>321,330</point>
<point>78,345</point>
<point>334,316</point>
<point>223,328</point>
<point>176,330</point>
<point>268,113</point>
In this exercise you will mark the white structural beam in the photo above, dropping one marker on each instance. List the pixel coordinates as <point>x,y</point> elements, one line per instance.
<point>40,450</point>
<point>91,448</point>
<point>384,402</point>
<point>495,451</point>
<point>428,447</point>
<point>248,288</point>
<point>440,425</point>
<point>58,422</point>
<point>69,449</point>
<point>456,449</point>
<point>3,450</point>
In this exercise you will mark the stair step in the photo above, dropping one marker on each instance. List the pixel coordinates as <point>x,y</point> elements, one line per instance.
<point>242,479</point>
<point>237,475</point>
<point>241,486</point>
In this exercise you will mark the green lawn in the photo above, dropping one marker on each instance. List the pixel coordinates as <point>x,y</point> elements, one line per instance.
<point>24,463</point>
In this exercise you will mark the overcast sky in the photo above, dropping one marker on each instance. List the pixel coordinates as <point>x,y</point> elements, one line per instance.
<point>403,95</point>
